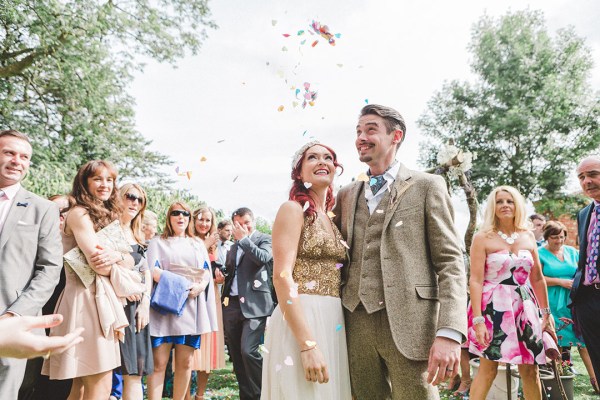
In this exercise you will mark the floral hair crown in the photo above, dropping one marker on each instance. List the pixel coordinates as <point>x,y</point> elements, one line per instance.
<point>298,155</point>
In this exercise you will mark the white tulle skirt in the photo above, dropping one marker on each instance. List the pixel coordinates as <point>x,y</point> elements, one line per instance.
<point>283,375</point>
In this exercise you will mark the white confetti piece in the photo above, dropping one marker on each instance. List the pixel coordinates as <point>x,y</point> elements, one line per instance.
<point>263,275</point>
<point>277,367</point>
<point>343,242</point>
<point>399,223</point>
<point>294,291</point>
<point>307,185</point>
<point>330,214</point>
<point>242,299</point>
<point>288,361</point>
<point>257,283</point>
<point>379,211</point>
<point>362,177</point>
<point>306,205</point>
<point>310,343</point>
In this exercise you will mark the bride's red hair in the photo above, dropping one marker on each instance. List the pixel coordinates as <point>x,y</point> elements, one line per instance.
<point>300,193</point>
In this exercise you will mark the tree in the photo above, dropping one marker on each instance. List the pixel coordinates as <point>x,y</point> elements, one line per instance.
<point>529,116</point>
<point>65,67</point>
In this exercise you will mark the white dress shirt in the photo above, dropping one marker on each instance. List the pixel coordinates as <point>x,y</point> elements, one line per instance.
<point>6,201</point>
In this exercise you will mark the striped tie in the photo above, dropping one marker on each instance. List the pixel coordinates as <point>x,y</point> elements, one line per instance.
<point>592,258</point>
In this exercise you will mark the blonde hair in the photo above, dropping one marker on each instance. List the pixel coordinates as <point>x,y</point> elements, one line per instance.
<point>490,221</point>
<point>149,216</point>
<point>213,221</point>
<point>136,222</point>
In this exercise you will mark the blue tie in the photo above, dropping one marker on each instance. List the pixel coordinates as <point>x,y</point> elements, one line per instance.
<point>376,183</point>
<point>592,257</point>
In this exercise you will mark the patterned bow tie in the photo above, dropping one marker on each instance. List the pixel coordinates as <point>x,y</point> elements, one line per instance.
<point>376,183</point>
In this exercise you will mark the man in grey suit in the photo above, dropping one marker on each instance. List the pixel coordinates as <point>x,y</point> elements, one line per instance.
<point>247,300</point>
<point>403,291</point>
<point>30,248</point>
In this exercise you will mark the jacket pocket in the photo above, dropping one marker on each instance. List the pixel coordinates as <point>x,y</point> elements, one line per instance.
<point>427,292</point>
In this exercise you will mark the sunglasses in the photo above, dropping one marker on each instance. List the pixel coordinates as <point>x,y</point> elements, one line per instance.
<point>133,197</point>
<point>177,213</point>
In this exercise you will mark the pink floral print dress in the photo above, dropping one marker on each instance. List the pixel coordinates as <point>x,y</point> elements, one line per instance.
<point>510,310</point>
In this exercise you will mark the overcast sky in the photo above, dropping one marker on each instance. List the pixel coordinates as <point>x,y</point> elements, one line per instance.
<point>223,103</point>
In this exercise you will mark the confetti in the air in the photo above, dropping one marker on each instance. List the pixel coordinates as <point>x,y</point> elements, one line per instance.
<point>323,30</point>
<point>203,159</point>
<point>273,22</point>
<point>309,95</point>
<point>235,179</point>
<point>280,108</point>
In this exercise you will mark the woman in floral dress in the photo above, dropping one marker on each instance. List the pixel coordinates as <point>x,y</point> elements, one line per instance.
<point>504,316</point>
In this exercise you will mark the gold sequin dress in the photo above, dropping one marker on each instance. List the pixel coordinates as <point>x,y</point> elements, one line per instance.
<point>317,275</point>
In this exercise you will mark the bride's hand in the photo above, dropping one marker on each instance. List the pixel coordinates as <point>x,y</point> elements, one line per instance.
<point>315,368</point>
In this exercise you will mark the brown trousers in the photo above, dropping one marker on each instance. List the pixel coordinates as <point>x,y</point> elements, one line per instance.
<point>377,369</point>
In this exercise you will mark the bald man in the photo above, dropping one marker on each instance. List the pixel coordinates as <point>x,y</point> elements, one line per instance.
<point>585,293</point>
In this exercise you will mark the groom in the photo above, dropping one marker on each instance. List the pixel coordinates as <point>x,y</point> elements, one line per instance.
<point>404,292</point>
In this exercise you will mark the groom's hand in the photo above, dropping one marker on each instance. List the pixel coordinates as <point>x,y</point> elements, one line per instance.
<point>444,360</point>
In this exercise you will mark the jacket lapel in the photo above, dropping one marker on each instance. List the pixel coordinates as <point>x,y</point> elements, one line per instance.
<point>397,191</point>
<point>15,214</point>
<point>354,195</point>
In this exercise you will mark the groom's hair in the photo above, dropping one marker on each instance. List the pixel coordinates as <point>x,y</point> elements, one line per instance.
<point>392,118</point>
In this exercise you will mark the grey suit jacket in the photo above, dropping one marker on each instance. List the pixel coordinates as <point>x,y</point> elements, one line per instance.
<point>30,254</point>
<point>420,257</point>
<point>254,273</point>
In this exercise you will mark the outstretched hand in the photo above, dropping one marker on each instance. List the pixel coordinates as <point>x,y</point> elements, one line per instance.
<point>444,360</point>
<point>17,341</point>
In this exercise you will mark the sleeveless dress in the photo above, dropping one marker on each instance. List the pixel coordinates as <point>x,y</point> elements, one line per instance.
<point>511,311</point>
<point>97,353</point>
<point>317,275</point>
<point>558,296</point>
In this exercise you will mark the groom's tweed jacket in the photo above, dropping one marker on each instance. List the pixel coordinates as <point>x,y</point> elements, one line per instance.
<point>419,256</point>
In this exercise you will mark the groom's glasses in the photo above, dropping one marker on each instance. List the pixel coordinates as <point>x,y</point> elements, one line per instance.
<point>177,213</point>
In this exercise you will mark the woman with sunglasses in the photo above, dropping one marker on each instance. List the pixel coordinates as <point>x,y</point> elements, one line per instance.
<point>136,350</point>
<point>90,364</point>
<point>211,354</point>
<point>176,248</point>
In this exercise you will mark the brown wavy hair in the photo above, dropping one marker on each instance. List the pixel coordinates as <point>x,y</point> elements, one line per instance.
<point>213,225</point>
<point>136,223</point>
<point>168,231</point>
<point>101,212</point>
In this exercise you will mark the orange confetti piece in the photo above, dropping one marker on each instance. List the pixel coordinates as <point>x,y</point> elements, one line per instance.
<point>280,108</point>
<point>362,177</point>
<point>314,43</point>
<point>189,175</point>
<point>202,159</point>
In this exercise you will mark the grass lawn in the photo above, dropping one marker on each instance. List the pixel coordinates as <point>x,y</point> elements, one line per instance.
<point>222,384</point>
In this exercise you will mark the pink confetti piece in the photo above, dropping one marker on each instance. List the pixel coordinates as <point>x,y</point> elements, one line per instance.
<point>339,265</point>
<point>286,35</point>
<point>310,285</point>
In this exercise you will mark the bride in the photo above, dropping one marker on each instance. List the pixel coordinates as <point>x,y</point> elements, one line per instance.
<point>305,354</point>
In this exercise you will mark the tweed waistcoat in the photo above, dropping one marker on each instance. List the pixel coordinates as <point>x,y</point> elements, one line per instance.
<point>365,280</point>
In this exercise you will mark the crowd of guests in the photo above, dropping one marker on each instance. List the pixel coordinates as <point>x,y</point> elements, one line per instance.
<point>364,293</point>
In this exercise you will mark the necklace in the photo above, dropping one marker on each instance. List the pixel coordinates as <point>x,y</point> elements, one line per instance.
<point>508,239</point>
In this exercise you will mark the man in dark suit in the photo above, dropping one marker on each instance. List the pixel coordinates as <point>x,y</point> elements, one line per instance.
<point>30,248</point>
<point>247,300</point>
<point>585,292</point>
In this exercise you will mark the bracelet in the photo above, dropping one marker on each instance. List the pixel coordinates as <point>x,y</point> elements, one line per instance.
<point>545,311</point>
<point>479,320</point>
<point>309,349</point>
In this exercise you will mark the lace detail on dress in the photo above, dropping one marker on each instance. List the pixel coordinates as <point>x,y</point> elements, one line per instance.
<point>315,270</point>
